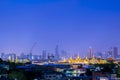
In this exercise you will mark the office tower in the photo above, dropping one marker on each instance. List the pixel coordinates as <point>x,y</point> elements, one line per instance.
<point>12,57</point>
<point>115,52</point>
<point>44,55</point>
<point>57,56</point>
<point>110,53</point>
<point>90,52</point>
<point>1,55</point>
<point>50,57</point>
<point>107,54</point>
<point>22,56</point>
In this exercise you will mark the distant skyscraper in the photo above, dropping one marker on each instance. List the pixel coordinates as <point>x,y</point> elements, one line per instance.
<point>12,57</point>
<point>44,55</point>
<point>90,52</point>
<point>57,56</point>
<point>1,55</point>
<point>50,57</point>
<point>110,53</point>
<point>115,52</point>
<point>22,55</point>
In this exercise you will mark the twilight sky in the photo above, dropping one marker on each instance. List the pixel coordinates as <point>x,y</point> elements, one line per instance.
<point>72,24</point>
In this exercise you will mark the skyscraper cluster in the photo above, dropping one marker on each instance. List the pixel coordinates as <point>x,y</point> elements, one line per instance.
<point>112,52</point>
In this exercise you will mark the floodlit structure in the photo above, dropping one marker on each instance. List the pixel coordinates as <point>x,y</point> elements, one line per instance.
<point>86,60</point>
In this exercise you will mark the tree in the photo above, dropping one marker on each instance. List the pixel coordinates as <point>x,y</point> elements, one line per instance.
<point>3,71</point>
<point>1,60</point>
<point>17,75</point>
<point>118,72</point>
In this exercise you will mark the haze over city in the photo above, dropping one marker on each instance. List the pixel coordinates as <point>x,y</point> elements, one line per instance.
<point>74,25</point>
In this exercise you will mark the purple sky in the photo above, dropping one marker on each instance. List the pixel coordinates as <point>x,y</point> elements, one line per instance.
<point>72,24</point>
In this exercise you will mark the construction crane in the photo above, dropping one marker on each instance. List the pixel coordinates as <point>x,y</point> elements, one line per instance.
<point>30,53</point>
<point>33,47</point>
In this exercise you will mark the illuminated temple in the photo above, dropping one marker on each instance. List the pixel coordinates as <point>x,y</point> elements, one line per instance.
<point>86,60</point>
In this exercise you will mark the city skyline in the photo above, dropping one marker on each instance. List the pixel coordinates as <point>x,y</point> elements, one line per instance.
<point>74,25</point>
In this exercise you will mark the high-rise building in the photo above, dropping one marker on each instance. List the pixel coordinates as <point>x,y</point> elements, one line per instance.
<point>12,57</point>
<point>44,55</point>
<point>110,53</point>
<point>115,52</point>
<point>57,55</point>
<point>90,52</point>
<point>51,57</point>
<point>1,55</point>
<point>22,56</point>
